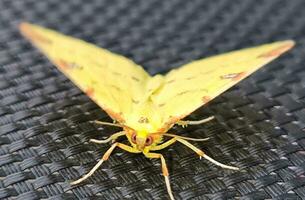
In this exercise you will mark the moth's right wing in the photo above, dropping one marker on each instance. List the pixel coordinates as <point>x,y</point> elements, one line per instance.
<point>194,84</point>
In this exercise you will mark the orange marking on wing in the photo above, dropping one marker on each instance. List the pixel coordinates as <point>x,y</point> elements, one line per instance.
<point>278,51</point>
<point>64,65</point>
<point>239,76</point>
<point>28,32</point>
<point>206,99</point>
<point>117,116</point>
<point>90,92</point>
<point>234,76</point>
<point>168,124</point>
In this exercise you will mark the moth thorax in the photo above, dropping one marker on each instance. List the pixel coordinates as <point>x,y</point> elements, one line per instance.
<point>142,133</point>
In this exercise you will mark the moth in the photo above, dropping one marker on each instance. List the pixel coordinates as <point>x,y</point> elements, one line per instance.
<point>147,107</point>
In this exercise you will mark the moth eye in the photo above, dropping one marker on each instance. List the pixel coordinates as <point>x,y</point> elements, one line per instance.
<point>149,141</point>
<point>134,138</point>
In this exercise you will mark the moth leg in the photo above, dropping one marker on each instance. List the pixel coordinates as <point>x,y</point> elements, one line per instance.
<point>107,123</point>
<point>129,149</point>
<point>112,138</point>
<point>186,138</point>
<point>104,158</point>
<point>203,155</point>
<point>173,140</point>
<point>163,145</point>
<point>188,122</point>
<point>164,171</point>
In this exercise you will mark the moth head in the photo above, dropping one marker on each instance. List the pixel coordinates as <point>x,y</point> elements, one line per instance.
<point>142,140</point>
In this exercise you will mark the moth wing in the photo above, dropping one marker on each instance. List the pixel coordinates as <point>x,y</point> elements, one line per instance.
<point>194,84</point>
<point>112,81</point>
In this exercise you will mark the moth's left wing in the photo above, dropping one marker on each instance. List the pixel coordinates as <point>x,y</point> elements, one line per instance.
<point>114,82</point>
<point>191,86</point>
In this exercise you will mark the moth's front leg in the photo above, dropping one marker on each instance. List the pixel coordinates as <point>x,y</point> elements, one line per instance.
<point>163,145</point>
<point>112,138</point>
<point>104,158</point>
<point>164,171</point>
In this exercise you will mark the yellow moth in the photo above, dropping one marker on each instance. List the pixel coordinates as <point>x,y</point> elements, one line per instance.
<point>147,107</point>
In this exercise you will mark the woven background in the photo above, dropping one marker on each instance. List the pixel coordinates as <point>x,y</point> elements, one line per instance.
<point>44,118</point>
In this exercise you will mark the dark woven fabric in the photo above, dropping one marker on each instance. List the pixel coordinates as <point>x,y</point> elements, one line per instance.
<point>44,118</point>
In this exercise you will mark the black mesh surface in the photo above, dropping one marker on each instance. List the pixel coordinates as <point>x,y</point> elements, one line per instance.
<point>259,126</point>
